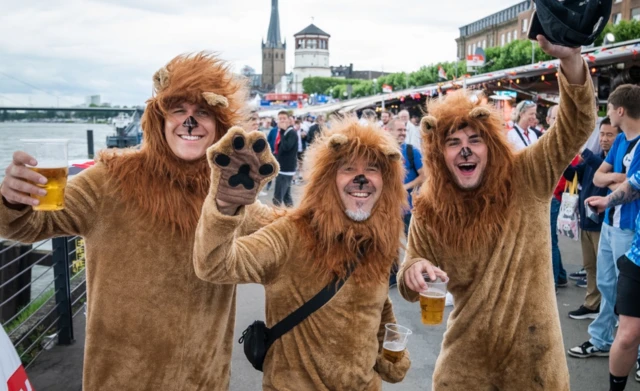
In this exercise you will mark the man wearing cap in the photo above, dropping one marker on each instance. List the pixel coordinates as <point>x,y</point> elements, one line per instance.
<point>151,323</point>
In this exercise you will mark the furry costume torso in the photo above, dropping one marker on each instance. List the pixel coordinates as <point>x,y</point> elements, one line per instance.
<point>335,348</point>
<point>151,323</point>
<point>504,332</point>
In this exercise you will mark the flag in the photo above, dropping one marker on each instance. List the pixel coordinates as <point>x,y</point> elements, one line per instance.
<point>441,73</point>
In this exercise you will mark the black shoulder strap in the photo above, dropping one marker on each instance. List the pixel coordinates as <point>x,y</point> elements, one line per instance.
<point>517,129</point>
<point>412,162</point>
<point>308,308</point>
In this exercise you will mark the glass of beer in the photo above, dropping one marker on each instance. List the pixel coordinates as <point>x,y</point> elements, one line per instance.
<point>395,341</point>
<point>432,301</point>
<point>52,158</point>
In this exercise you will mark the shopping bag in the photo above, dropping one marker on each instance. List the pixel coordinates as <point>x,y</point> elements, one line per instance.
<point>12,374</point>
<point>568,216</point>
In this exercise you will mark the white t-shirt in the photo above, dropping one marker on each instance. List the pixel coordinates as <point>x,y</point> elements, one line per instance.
<point>516,136</point>
<point>413,135</point>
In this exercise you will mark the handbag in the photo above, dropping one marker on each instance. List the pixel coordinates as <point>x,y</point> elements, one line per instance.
<point>567,223</point>
<point>258,338</point>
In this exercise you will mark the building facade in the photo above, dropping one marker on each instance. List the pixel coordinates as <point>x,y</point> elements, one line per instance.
<point>347,72</point>
<point>311,56</point>
<point>274,52</point>
<point>513,23</point>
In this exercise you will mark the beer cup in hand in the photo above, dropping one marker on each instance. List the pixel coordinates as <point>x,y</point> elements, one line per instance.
<point>395,341</point>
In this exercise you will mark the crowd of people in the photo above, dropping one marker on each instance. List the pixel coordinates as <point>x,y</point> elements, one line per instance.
<point>172,228</point>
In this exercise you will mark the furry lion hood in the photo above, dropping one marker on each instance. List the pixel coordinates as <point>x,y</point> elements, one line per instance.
<point>334,241</point>
<point>458,217</point>
<point>153,181</point>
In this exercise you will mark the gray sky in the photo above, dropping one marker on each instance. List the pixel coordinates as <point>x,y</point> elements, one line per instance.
<point>74,48</point>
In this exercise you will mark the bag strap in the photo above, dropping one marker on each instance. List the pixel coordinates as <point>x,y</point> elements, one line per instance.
<point>411,158</point>
<point>308,308</point>
<point>517,129</point>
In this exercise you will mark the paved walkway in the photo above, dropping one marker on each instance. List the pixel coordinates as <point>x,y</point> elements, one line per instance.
<point>60,369</point>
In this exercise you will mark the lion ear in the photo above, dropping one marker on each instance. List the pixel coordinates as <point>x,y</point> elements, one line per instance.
<point>336,140</point>
<point>428,124</point>
<point>479,112</point>
<point>392,153</point>
<point>161,79</point>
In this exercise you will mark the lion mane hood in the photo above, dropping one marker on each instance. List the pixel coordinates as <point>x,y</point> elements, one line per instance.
<point>155,183</point>
<point>460,218</point>
<point>334,241</point>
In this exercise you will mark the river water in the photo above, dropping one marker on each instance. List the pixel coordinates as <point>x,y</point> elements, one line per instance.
<point>12,132</point>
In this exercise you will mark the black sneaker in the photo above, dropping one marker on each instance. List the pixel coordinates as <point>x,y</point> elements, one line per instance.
<point>583,313</point>
<point>562,283</point>
<point>587,350</point>
<point>582,283</point>
<point>578,275</point>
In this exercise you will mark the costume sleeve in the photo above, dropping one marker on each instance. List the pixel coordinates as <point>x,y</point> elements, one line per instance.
<point>390,372</point>
<point>220,256</point>
<point>418,248</point>
<point>541,165</point>
<point>257,216</point>
<point>82,202</point>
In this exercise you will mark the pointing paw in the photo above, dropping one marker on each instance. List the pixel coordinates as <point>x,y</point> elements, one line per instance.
<point>241,163</point>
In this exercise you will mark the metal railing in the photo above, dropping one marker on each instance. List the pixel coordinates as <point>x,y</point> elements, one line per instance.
<point>41,291</point>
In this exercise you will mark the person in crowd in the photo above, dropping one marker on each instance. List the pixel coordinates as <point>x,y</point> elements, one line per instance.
<point>624,351</point>
<point>483,218</point>
<point>347,228</point>
<point>315,130</point>
<point>368,115</point>
<point>618,228</point>
<point>523,117</point>
<point>590,226</point>
<point>286,151</point>
<point>385,117</point>
<point>413,131</point>
<point>152,324</point>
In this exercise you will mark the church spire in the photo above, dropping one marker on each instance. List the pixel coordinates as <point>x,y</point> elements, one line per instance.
<point>273,35</point>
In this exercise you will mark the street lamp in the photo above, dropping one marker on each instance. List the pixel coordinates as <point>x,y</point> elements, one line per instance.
<point>609,38</point>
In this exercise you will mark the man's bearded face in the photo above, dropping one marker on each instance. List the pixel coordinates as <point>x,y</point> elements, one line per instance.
<point>360,185</point>
<point>465,154</point>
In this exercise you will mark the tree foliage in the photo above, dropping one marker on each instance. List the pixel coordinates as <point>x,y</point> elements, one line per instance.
<point>625,30</point>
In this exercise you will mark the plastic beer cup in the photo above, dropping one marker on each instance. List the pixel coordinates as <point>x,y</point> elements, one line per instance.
<point>52,158</point>
<point>395,341</point>
<point>432,301</point>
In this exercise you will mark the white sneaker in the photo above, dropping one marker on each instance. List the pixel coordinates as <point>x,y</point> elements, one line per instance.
<point>263,193</point>
<point>637,377</point>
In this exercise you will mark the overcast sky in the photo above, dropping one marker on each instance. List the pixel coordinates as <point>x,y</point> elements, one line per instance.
<point>68,49</point>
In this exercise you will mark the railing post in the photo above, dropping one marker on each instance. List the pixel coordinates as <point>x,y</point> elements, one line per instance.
<point>90,143</point>
<point>62,286</point>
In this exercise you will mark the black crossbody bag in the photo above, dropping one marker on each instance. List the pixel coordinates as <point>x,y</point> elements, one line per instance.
<point>258,338</point>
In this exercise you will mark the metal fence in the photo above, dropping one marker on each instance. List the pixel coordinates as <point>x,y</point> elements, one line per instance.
<point>41,291</point>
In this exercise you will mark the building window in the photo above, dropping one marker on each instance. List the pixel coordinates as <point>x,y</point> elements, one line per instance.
<point>515,34</point>
<point>509,37</point>
<point>265,56</point>
<point>525,25</point>
<point>484,43</point>
<point>617,18</point>
<point>469,50</point>
<point>635,13</point>
<point>502,39</point>
<point>473,49</point>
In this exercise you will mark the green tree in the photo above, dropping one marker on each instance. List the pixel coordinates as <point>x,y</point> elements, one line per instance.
<point>513,54</point>
<point>625,30</point>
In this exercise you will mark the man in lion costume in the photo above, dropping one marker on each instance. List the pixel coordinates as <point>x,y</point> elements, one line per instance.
<point>349,218</point>
<point>483,218</point>
<point>151,323</point>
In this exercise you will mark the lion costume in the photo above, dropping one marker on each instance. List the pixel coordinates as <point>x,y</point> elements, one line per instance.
<point>494,244</point>
<point>338,347</point>
<point>151,323</point>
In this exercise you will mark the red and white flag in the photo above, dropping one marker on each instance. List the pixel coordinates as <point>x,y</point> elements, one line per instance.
<point>12,374</point>
<point>441,73</point>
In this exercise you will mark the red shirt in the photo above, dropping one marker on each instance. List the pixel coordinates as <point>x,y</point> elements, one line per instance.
<point>560,188</point>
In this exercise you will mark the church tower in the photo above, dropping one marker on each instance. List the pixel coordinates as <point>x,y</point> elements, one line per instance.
<point>273,52</point>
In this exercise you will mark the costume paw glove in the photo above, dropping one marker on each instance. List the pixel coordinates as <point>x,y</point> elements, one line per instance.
<point>393,372</point>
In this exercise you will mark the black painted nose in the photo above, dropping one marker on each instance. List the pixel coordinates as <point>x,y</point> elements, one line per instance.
<point>361,179</point>
<point>190,123</point>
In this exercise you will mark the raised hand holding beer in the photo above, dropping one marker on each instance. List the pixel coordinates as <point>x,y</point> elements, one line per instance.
<point>38,176</point>
<point>413,277</point>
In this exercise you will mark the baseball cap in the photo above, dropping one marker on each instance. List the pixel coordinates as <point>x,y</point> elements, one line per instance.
<point>571,23</point>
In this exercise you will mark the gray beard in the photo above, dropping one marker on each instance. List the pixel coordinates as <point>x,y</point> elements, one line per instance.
<point>358,215</point>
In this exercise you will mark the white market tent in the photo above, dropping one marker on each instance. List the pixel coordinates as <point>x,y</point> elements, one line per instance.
<point>600,56</point>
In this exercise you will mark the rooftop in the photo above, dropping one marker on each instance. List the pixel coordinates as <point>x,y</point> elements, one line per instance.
<point>312,29</point>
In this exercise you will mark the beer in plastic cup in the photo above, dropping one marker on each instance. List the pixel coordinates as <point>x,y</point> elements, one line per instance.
<point>432,301</point>
<point>395,341</point>
<point>52,158</point>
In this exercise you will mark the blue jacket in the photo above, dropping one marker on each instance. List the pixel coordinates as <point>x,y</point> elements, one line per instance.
<point>271,138</point>
<point>586,170</point>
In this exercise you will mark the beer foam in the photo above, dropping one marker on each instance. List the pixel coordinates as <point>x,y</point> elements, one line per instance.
<point>393,346</point>
<point>435,293</point>
<point>51,163</point>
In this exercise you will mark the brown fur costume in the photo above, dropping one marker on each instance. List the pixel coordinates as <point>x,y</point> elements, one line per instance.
<point>494,243</point>
<point>151,324</point>
<point>338,347</point>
